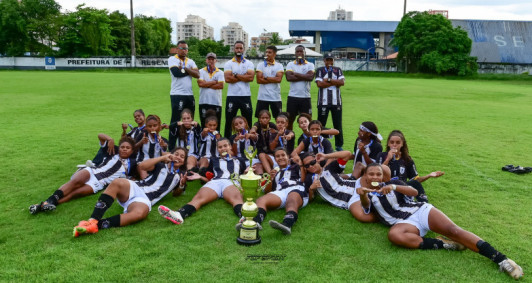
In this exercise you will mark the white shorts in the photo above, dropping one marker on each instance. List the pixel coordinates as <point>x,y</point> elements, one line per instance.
<point>193,155</point>
<point>136,194</point>
<point>420,219</point>
<point>219,186</point>
<point>92,182</point>
<point>353,199</point>
<point>283,195</point>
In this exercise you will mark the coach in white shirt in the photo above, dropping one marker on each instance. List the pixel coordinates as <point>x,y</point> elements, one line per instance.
<point>238,72</point>
<point>299,73</point>
<point>182,69</point>
<point>269,77</point>
<point>211,83</point>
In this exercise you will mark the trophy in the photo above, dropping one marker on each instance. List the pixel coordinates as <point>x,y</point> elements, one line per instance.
<point>250,186</point>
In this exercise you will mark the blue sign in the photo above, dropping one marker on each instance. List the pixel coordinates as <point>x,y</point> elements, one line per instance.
<point>49,63</point>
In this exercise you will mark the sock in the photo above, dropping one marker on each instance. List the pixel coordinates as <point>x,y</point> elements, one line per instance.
<point>113,221</point>
<point>55,197</point>
<point>260,216</point>
<point>104,202</point>
<point>290,219</point>
<point>485,249</point>
<point>202,171</point>
<point>431,244</point>
<point>187,210</point>
<point>238,210</point>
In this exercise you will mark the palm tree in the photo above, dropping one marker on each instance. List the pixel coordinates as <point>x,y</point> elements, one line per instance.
<point>276,39</point>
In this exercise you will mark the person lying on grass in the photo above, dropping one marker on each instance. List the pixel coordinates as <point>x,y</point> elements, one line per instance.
<point>219,186</point>
<point>286,190</point>
<point>402,166</point>
<point>118,162</point>
<point>166,172</point>
<point>392,203</point>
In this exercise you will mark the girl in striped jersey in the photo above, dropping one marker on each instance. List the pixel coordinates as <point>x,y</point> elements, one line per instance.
<point>367,147</point>
<point>314,144</point>
<point>402,166</point>
<point>90,180</point>
<point>286,190</point>
<point>410,221</point>
<point>137,198</point>
<point>264,129</point>
<point>140,119</point>
<point>150,144</point>
<point>208,138</point>
<point>188,134</point>
<point>242,139</point>
<point>220,186</point>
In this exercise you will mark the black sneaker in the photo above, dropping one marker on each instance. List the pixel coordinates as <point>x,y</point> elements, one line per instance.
<point>35,208</point>
<point>279,226</point>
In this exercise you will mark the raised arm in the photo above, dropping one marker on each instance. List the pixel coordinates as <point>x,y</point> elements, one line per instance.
<point>149,164</point>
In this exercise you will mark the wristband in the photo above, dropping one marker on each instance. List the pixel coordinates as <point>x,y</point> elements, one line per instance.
<point>394,187</point>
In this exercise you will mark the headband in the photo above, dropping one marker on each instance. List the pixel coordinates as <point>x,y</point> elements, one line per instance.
<point>369,131</point>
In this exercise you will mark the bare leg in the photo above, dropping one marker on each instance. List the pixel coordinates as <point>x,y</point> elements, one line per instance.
<point>136,212</point>
<point>358,212</point>
<point>441,224</point>
<point>204,196</point>
<point>82,191</point>
<point>78,180</point>
<point>405,235</point>
<point>191,162</point>
<point>269,202</point>
<point>266,162</point>
<point>358,169</point>
<point>293,202</point>
<point>232,195</point>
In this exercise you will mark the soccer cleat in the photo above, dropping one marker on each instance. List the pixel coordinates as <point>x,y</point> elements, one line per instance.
<point>47,206</point>
<point>451,245</point>
<point>86,227</point>
<point>279,226</point>
<point>89,163</point>
<point>511,268</point>
<point>173,216</point>
<point>35,208</point>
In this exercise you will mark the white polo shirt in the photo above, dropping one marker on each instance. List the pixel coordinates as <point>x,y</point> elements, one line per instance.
<point>239,88</point>
<point>271,91</point>
<point>302,88</point>
<point>209,95</point>
<point>183,85</point>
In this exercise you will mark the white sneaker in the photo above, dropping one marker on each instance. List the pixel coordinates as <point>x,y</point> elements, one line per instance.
<point>509,266</point>
<point>279,226</point>
<point>174,216</point>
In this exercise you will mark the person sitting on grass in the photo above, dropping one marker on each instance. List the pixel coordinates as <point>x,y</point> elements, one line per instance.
<point>286,190</point>
<point>314,144</point>
<point>219,186</point>
<point>401,165</point>
<point>166,172</point>
<point>150,143</point>
<point>367,147</point>
<point>393,203</point>
<point>118,162</point>
<point>242,140</point>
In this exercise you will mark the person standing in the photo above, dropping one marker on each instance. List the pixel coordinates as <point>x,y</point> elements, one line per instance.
<point>299,73</point>
<point>269,77</point>
<point>182,69</point>
<point>238,73</point>
<point>211,82</point>
<point>329,80</point>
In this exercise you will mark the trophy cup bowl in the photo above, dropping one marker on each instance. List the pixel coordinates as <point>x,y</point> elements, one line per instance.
<point>250,186</point>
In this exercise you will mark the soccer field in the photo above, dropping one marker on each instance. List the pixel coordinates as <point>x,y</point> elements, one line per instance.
<point>467,128</point>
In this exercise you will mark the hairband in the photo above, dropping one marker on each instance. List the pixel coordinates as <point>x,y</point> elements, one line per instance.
<point>369,131</point>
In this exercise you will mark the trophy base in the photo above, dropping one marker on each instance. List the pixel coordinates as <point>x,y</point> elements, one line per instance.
<point>244,242</point>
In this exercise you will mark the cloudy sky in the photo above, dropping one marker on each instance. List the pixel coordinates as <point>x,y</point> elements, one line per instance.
<point>273,15</point>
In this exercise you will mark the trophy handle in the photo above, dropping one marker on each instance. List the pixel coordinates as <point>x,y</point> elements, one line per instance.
<point>265,177</point>
<point>234,177</point>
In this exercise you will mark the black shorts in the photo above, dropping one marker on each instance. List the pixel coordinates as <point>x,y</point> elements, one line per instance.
<point>274,106</point>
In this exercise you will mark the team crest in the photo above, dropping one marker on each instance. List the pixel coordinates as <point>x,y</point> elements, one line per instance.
<point>180,105</point>
<point>402,170</point>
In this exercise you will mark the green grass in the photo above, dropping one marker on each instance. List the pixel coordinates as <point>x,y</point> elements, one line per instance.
<point>467,128</point>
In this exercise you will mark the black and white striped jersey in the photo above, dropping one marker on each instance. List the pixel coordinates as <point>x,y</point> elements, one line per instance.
<point>151,149</point>
<point>373,149</point>
<point>394,206</point>
<point>135,132</point>
<point>160,181</point>
<point>334,189</point>
<point>191,139</point>
<point>330,96</point>
<point>323,145</point>
<point>287,177</point>
<point>113,167</point>
<point>224,167</point>
<point>242,145</point>
<point>207,146</point>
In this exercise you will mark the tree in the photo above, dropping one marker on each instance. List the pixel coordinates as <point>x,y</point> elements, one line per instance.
<point>120,31</point>
<point>432,45</point>
<point>86,32</point>
<point>152,35</point>
<point>43,24</point>
<point>275,39</point>
<point>198,49</point>
<point>13,28</point>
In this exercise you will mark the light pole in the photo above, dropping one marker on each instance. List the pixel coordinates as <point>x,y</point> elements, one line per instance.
<point>404,9</point>
<point>133,51</point>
